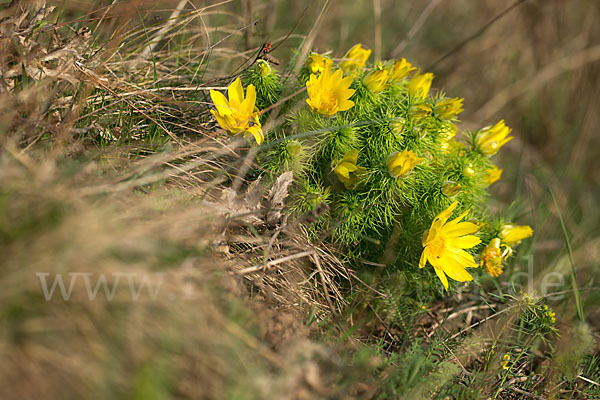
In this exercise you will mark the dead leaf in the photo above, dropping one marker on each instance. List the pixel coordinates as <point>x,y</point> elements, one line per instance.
<point>277,196</point>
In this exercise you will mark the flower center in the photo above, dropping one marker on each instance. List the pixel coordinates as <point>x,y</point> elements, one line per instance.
<point>243,121</point>
<point>437,247</point>
<point>493,257</point>
<point>328,101</point>
<point>494,270</point>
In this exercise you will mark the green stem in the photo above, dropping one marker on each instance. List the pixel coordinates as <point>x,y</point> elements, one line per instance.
<point>512,365</point>
<point>570,251</point>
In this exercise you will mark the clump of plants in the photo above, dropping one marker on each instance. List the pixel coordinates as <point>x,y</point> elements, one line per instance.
<point>376,148</point>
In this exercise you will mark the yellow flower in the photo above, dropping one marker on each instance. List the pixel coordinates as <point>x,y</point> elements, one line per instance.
<point>489,140</point>
<point>506,361</point>
<point>238,114</point>
<point>494,270</point>
<point>420,111</point>
<point>399,70</point>
<point>346,169</point>
<point>328,94</point>
<point>263,68</point>
<point>448,108</point>
<point>549,314</point>
<point>493,174</point>
<point>492,257</point>
<point>444,245</point>
<point>513,234</point>
<point>376,80</point>
<point>355,58</point>
<point>317,63</point>
<point>419,85</point>
<point>400,165</point>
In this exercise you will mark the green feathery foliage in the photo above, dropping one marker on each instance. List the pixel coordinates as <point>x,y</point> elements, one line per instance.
<point>378,152</point>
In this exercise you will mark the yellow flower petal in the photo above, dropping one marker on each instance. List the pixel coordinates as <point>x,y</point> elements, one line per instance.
<point>448,108</point>
<point>401,164</point>
<point>345,168</point>
<point>351,156</point>
<point>444,215</point>
<point>399,70</point>
<point>463,228</point>
<point>248,105</point>
<point>464,242</point>
<point>235,91</point>
<point>345,105</point>
<point>440,273</point>
<point>455,270</point>
<point>256,131</point>
<point>423,260</point>
<point>220,101</point>
<point>221,120</point>
<point>463,258</point>
<point>376,81</point>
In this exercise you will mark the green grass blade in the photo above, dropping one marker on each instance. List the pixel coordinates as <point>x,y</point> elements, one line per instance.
<point>570,250</point>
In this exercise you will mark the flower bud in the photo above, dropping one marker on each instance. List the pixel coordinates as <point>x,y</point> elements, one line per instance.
<point>317,63</point>
<point>355,58</point>
<point>420,111</point>
<point>513,234</point>
<point>263,68</point>
<point>489,139</point>
<point>450,189</point>
<point>313,199</point>
<point>397,126</point>
<point>346,169</point>
<point>419,85</point>
<point>492,175</point>
<point>401,164</point>
<point>293,148</point>
<point>448,108</point>
<point>376,81</point>
<point>399,70</point>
